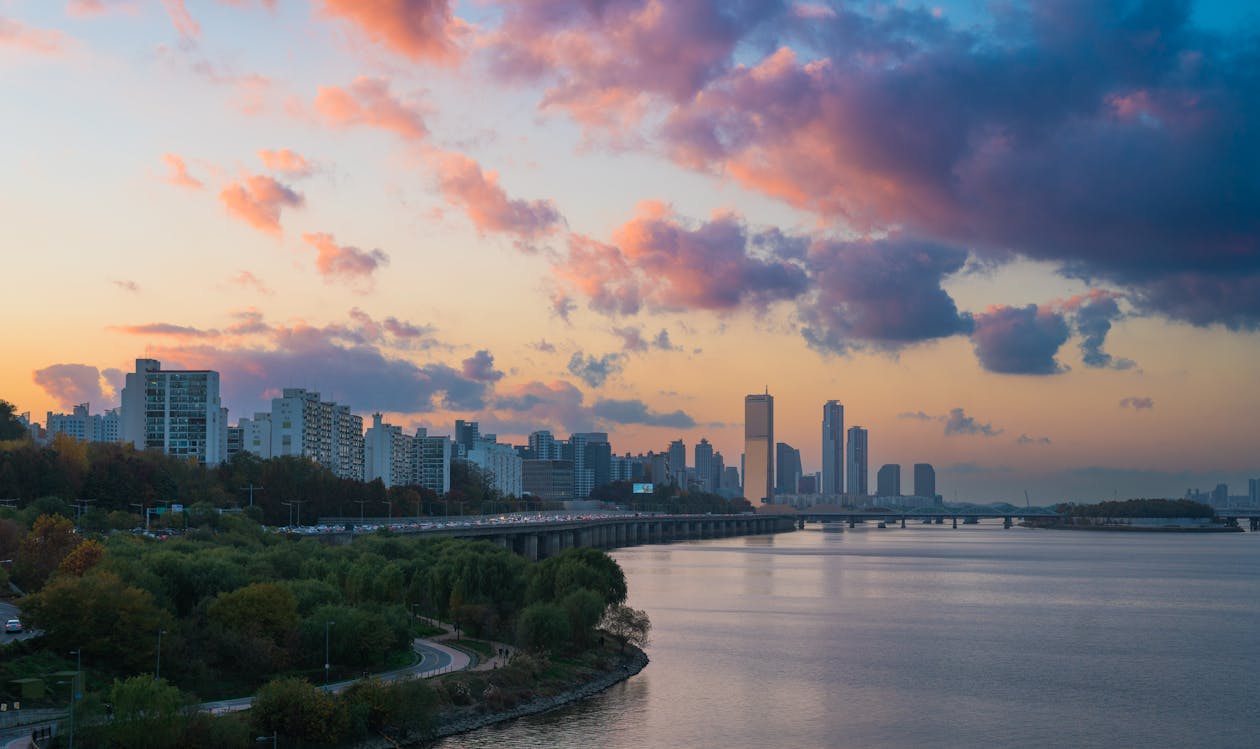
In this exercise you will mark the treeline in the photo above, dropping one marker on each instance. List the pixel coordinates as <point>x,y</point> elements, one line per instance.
<point>110,478</point>
<point>1138,508</point>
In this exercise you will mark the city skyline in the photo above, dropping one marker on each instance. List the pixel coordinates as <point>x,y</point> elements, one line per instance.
<point>1052,291</point>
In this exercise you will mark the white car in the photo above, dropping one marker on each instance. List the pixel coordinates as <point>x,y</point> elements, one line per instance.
<point>13,626</point>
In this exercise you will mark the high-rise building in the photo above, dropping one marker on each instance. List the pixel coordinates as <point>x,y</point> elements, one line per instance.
<point>833,456</point>
<point>596,457</point>
<point>924,480</point>
<point>547,480</point>
<point>678,461</point>
<point>387,454</point>
<point>1253,492</point>
<point>856,462</point>
<point>888,480</point>
<point>256,434</point>
<point>175,411</point>
<point>432,461</point>
<point>85,427</point>
<point>543,445</point>
<point>787,468</point>
<point>501,463</point>
<point>466,435</point>
<point>759,448</point>
<point>304,425</point>
<point>704,466</point>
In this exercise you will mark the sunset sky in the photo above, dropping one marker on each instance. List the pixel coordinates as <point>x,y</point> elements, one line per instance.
<point>1018,240</point>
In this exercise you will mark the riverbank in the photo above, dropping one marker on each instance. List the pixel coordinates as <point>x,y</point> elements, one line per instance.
<point>496,700</point>
<point>1127,528</point>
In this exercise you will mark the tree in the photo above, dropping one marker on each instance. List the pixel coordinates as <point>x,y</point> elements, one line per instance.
<point>114,624</point>
<point>148,714</point>
<point>543,627</point>
<point>554,578</point>
<point>627,625</point>
<point>50,540</point>
<point>10,427</point>
<point>84,557</point>
<point>296,709</point>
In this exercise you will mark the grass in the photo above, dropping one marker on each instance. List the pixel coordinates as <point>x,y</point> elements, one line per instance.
<point>424,630</point>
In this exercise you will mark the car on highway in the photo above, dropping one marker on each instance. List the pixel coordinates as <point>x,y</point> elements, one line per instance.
<point>13,626</point>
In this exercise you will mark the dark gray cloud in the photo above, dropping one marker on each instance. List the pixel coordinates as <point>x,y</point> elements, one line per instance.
<point>1093,315</point>
<point>480,367</point>
<point>1024,439</point>
<point>636,412</point>
<point>592,370</point>
<point>958,422</point>
<point>885,293</point>
<point>1020,340</point>
<point>1137,403</point>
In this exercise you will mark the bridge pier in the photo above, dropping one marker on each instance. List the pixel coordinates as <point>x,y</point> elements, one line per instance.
<point>1006,522</point>
<point>955,522</point>
<point>903,522</point>
<point>1255,524</point>
<point>852,522</point>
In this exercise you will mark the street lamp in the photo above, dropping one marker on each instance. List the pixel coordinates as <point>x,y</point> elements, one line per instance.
<point>157,674</point>
<point>327,663</point>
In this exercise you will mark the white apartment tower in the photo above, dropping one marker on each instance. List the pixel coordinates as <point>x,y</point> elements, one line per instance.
<point>305,426</point>
<point>387,454</point>
<point>175,411</point>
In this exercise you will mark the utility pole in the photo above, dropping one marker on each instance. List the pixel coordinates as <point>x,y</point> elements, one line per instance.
<point>251,489</point>
<point>144,510</point>
<point>299,503</point>
<point>361,503</point>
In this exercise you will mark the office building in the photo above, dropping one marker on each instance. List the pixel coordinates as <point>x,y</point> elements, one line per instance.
<point>833,456</point>
<point>855,464</point>
<point>705,475</point>
<point>501,464</point>
<point>175,411</point>
<point>547,480</point>
<point>432,461</point>
<point>466,435</point>
<point>888,480</point>
<point>924,480</point>
<point>787,468</point>
<point>759,448</point>
<point>678,462</point>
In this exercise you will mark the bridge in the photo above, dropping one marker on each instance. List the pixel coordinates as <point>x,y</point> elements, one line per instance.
<point>935,515</point>
<point>542,538</point>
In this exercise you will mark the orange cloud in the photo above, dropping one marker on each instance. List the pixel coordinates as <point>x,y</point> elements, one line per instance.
<point>179,172</point>
<point>478,192</point>
<point>419,29</point>
<point>344,263</point>
<point>284,160</point>
<point>367,101</point>
<point>257,200</point>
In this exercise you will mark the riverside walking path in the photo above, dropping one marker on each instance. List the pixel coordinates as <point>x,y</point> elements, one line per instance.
<point>435,658</point>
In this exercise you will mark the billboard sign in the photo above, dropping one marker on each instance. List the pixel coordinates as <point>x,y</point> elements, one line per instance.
<point>643,488</point>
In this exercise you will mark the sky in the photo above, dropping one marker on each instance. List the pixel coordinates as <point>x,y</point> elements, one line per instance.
<point>1017,240</point>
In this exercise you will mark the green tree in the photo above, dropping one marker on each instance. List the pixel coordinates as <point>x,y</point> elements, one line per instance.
<point>543,627</point>
<point>627,625</point>
<point>584,608</point>
<point>114,624</point>
<point>298,710</point>
<point>572,569</point>
<point>147,714</point>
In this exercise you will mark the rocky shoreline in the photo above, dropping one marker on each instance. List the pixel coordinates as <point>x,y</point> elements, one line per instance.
<point>467,719</point>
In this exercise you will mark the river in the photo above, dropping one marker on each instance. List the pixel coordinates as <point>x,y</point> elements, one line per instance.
<point>931,636</point>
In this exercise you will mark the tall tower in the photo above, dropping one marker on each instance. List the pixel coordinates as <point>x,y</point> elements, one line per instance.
<point>832,448</point>
<point>924,480</point>
<point>678,462</point>
<point>857,462</point>
<point>759,448</point>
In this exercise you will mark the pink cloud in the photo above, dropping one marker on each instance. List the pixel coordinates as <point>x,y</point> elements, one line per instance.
<point>257,200</point>
<point>479,194</point>
<point>368,101</point>
<point>179,172</point>
<point>659,260</point>
<point>607,62</point>
<point>185,24</point>
<point>23,37</point>
<point>71,384</point>
<point>344,262</point>
<point>89,8</point>
<point>283,160</point>
<point>418,29</point>
<point>248,280</point>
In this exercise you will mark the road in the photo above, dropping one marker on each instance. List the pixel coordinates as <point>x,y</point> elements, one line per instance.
<point>9,611</point>
<point>435,658</point>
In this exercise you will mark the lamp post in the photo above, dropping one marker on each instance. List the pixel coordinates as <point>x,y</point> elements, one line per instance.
<point>327,662</point>
<point>157,674</point>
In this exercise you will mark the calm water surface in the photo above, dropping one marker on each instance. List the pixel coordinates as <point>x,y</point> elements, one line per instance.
<point>931,637</point>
